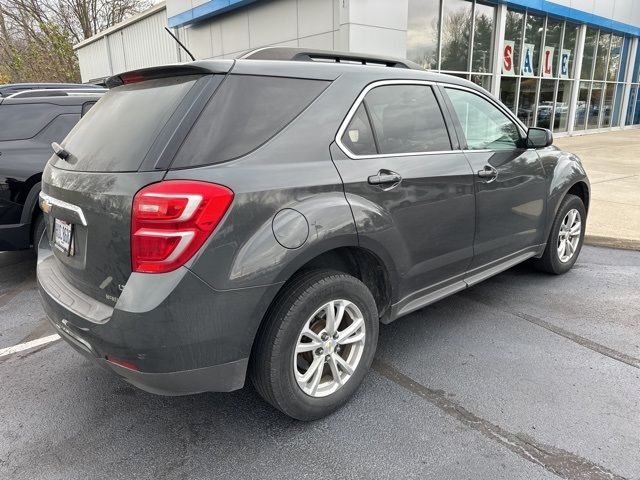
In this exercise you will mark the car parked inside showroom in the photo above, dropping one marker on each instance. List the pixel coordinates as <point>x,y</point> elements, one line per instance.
<point>258,218</point>
<point>32,116</point>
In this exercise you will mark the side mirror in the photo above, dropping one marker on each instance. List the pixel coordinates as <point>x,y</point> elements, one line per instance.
<point>539,137</point>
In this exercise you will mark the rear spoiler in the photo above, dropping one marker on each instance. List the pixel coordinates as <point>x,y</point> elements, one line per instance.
<point>194,68</point>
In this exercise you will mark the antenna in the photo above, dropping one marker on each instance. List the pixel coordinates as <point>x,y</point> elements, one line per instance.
<point>181,44</point>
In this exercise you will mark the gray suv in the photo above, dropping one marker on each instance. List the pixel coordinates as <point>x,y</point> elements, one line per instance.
<point>221,219</point>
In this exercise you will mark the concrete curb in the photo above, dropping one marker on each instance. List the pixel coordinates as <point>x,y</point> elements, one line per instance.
<point>612,242</point>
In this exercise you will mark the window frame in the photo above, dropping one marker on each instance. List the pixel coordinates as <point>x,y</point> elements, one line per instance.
<point>462,138</point>
<point>446,116</point>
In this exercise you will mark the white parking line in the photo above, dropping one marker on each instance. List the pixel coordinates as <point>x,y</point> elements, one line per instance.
<point>27,345</point>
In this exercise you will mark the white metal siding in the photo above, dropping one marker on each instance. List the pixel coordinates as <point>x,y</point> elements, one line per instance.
<point>147,44</point>
<point>94,61</point>
<point>141,44</point>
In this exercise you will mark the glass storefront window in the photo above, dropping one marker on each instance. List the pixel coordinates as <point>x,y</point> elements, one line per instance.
<point>513,33</point>
<point>422,32</point>
<point>569,43</point>
<point>456,33</point>
<point>527,104</point>
<point>602,56</point>
<point>617,103</point>
<point>508,92</point>
<point>614,58</point>
<point>589,52</point>
<point>483,80</point>
<point>633,111</point>
<point>545,105</point>
<point>533,36</point>
<point>594,105</point>
<point>483,38</point>
<point>581,107</point>
<point>552,40</point>
<point>607,104</point>
<point>563,99</point>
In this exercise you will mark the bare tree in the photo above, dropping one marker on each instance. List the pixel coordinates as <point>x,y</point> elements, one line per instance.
<point>37,36</point>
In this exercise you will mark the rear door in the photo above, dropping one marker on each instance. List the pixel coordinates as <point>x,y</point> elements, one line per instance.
<point>117,148</point>
<point>410,189</point>
<point>27,128</point>
<point>509,179</point>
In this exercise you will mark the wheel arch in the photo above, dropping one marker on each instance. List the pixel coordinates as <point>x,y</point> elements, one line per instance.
<point>355,260</point>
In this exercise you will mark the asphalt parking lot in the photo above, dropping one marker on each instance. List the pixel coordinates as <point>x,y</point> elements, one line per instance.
<point>523,376</point>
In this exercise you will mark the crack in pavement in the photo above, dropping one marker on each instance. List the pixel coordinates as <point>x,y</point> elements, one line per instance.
<point>560,462</point>
<point>582,341</point>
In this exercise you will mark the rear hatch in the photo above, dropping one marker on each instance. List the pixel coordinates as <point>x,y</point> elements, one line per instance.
<point>122,144</point>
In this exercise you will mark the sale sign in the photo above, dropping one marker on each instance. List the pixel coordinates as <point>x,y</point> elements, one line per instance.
<point>507,57</point>
<point>564,63</point>
<point>527,60</point>
<point>547,61</point>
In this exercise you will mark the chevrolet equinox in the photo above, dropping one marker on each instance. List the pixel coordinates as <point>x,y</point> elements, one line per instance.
<point>217,220</point>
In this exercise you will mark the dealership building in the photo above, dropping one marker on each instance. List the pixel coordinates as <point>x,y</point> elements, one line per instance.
<point>568,65</point>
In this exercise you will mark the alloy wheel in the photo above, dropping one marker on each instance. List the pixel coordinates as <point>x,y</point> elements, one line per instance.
<point>329,348</point>
<point>569,235</point>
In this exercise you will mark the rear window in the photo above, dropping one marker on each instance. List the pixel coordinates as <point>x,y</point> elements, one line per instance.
<point>116,134</point>
<point>245,112</point>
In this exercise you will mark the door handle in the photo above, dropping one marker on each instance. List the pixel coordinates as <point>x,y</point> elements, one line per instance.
<point>489,172</point>
<point>385,178</point>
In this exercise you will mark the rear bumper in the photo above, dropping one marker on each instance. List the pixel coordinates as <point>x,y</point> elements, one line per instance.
<point>182,336</point>
<point>15,237</point>
<point>217,378</point>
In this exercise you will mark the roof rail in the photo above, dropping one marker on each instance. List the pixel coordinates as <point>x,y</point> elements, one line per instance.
<point>75,92</point>
<point>313,55</point>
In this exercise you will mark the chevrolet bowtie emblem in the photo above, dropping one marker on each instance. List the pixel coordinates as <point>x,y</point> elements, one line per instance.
<point>45,206</point>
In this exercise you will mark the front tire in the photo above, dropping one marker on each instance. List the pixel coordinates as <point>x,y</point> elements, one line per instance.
<point>316,345</point>
<point>566,237</point>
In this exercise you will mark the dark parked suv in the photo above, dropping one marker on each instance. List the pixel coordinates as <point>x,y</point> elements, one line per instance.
<point>32,116</point>
<point>222,219</point>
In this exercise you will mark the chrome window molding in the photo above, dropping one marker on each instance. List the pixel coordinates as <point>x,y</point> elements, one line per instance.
<point>47,201</point>
<point>345,123</point>
<point>522,128</point>
<point>356,105</point>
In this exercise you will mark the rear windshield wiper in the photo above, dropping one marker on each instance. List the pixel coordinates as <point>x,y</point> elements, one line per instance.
<point>59,151</point>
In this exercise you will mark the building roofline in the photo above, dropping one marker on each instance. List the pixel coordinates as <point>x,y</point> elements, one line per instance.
<point>119,26</point>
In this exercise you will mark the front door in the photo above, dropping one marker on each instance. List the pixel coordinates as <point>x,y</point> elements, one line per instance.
<point>510,181</point>
<point>411,194</point>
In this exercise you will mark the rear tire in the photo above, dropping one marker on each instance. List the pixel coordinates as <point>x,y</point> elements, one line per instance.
<point>295,341</point>
<point>565,239</point>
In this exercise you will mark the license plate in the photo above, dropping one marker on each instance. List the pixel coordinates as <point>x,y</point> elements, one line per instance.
<point>62,233</point>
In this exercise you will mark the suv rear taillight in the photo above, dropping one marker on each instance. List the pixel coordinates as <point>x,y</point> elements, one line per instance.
<point>171,220</point>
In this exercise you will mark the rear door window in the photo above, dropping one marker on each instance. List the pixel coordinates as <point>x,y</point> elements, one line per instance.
<point>21,122</point>
<point>397,119</point>
<point>358,137</point>
<point>116,134</point>
<point>245,112</point>
<point>407,119</point>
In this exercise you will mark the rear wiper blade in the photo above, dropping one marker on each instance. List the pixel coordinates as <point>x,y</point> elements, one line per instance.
<point>59,151</point>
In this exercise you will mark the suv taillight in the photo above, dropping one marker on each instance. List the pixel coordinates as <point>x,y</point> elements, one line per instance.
<point>171,220</point>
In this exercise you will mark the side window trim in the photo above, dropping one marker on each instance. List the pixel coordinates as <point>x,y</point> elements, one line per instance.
<point>458,141</point>
<point>360,100</point>
<point>373,129</point>
<point>463,139</point>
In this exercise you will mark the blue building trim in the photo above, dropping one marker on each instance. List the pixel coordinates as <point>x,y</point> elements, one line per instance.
<point>572,14</point>
<point>216,7</point>
<point>206,10</point>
